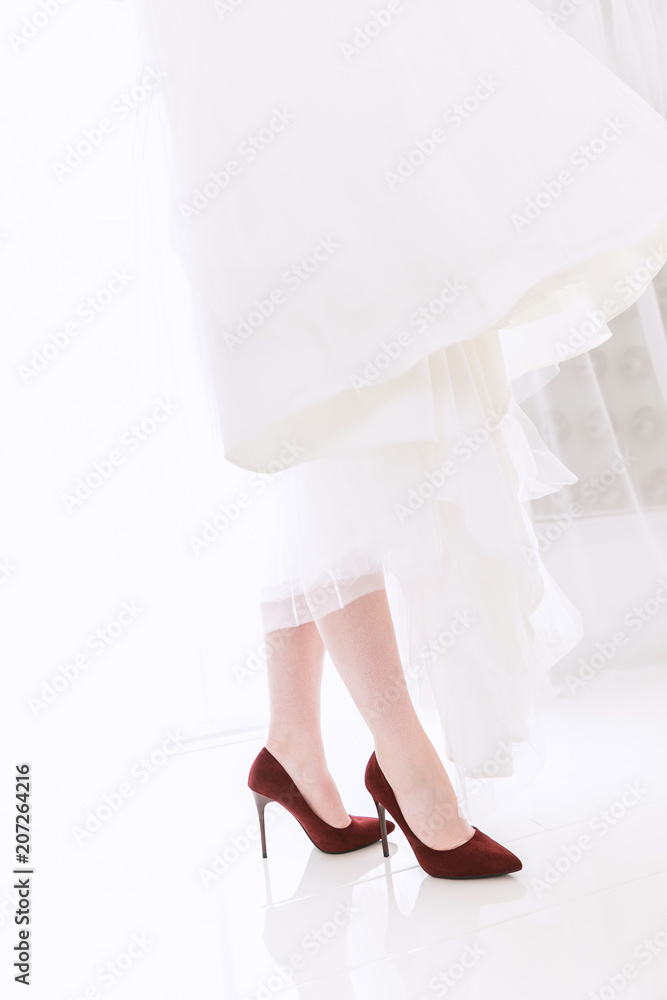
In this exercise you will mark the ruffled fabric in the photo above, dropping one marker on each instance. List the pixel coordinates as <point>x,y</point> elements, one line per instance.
<point>472,169</point>
<point>443,524</point>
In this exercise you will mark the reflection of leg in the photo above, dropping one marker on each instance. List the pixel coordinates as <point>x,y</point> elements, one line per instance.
<point>360,640</point>
<point>294,663</point>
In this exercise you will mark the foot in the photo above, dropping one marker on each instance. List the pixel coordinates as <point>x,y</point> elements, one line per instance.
<point>425,796</point>
<point>309,772</point>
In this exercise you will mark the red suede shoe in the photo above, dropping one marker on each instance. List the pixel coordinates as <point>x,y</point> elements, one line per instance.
<point>269,782</point>
<point>480,857</point>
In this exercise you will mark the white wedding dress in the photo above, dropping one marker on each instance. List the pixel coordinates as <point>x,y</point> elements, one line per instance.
<point>397,224</point>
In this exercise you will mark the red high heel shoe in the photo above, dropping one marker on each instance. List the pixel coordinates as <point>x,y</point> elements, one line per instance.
<point>269,782</point>
<point>479,857</point>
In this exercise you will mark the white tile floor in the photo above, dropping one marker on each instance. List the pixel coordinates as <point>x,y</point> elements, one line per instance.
<point>175,867</point>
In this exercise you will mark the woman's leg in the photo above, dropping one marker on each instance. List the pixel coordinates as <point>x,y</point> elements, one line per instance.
<point>361,641</point>
<point>294,662</point>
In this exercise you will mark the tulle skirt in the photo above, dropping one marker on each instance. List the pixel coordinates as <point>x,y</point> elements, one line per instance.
<point>443,525</point>
<point>398,224</point>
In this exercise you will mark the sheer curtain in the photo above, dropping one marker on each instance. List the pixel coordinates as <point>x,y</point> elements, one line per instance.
<point>605,415</point>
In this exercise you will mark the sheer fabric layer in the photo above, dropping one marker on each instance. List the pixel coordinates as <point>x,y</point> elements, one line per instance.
<point>443,524</point>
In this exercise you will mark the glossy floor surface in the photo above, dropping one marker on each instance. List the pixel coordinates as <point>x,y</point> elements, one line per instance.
<point>168,895</point>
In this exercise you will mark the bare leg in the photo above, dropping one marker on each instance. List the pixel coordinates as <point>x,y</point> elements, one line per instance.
<point>361,641</point>
<point>294,661</point>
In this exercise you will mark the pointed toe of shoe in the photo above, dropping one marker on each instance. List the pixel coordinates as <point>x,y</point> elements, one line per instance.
<point>362,831</point>
<point>485,858</point>
<point>479,857</point>
<point>510,862</point>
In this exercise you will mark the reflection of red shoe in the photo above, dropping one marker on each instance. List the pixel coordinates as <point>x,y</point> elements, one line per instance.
<point>479,857</point>
<point>270,782</point>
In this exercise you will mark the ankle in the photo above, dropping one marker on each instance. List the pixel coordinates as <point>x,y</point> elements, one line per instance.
<point>414,763</point>
<point>303,754</point>
<point>305,763</point>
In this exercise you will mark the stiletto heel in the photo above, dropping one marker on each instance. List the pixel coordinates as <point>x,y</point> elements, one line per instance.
<point>479,857</point>
<point>383,828</point>
<point>261,801</point>
<point>269,782</point>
